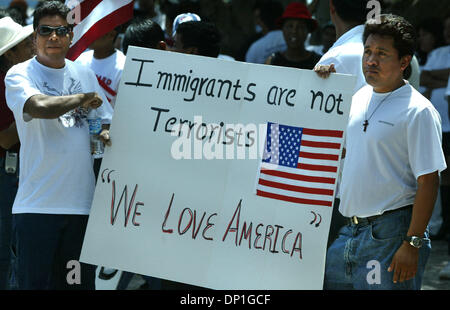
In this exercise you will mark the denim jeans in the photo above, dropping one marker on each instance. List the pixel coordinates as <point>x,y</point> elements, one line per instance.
<point>43,245</point>
<point>362,253</point>
<point>8,190</point>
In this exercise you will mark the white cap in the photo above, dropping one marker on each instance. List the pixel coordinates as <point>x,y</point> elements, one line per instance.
<point>182,18</point>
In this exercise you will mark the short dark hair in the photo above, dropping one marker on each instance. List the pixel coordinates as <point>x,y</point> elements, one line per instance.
<point>142,32</point>
<point>269,12</point>
<point>352,11</point>
<point>50,8</point>
<point>401,31</point>
<point>202,35</point>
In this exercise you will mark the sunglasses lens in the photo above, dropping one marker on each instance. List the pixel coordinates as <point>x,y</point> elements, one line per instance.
<point>62,31</point>
<point>47,30</point>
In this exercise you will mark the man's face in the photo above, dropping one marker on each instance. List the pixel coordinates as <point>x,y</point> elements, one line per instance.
<point>51,49</point>
<point>295,33</point>
<point>382,67</point>
<point>447,30</point>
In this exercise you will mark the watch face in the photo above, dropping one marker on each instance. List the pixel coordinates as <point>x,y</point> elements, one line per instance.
<point>416,242</point>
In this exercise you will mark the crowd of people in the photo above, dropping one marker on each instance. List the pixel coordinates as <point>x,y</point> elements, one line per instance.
<point>393,181</point>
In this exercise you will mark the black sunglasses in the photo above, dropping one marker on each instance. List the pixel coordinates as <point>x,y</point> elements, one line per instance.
<point>61,31</point>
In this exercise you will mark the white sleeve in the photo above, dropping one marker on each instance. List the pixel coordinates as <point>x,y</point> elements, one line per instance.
<point>431,61</point>
<point>424,138</point>
<point>19,88</point>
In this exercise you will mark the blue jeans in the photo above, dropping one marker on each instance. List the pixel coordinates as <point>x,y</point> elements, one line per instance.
<point>43,244</point>
<point>360,256</point>
<point>8,190</point>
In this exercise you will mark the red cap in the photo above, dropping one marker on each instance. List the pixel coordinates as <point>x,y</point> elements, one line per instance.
<point>298,10</point>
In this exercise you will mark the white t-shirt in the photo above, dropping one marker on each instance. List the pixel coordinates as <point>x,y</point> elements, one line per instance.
<point>261,49</point>
<point>108,71</point>
<point>346,55</point>
<point>402,142</point>
<point>439,59</point>
<point>56,175</point>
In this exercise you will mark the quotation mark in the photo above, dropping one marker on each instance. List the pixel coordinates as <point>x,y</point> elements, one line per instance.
<point>108,178</point>
<point>315,219</point>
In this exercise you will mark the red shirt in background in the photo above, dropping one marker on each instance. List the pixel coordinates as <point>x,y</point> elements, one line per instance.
<point>6,115</point>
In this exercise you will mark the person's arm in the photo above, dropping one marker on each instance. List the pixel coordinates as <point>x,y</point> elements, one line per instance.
<point>313,6</point>
<point>9,136</point>
<point>50,107</point>
<point>434,79</point>
<point>405,261</point>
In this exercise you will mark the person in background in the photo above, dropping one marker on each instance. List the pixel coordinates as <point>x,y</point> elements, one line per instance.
<point>430,37</point>
<point>15,47</point>
<point>266,14</point>
<point>198,38</point>
<point>141,32</point>
<point>444,274</point>
<point>328,37</point>
<point>296,22</point>
<point>345,56</point>
<point>434,79</point>
<point>107,62</point>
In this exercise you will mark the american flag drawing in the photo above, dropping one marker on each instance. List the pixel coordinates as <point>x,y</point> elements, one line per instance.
<point>96,18</point>
<point>300,165</point>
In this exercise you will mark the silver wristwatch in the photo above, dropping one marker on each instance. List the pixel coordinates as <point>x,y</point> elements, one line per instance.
<point>416,242</point>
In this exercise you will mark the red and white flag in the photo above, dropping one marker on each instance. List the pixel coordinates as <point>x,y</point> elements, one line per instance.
<point>93,19</point>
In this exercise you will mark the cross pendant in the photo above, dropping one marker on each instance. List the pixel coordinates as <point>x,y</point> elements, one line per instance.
<point>366,123</point>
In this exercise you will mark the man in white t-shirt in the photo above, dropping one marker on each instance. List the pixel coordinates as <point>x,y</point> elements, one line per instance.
<point>50,96</point>
<point>348,16</point>
<point>266,15</point>
<point>344,57</point>
<point>107,62</point>
<point>391,176</point>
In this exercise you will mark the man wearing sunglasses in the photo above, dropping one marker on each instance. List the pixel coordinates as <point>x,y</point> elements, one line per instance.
<point>50,97</point>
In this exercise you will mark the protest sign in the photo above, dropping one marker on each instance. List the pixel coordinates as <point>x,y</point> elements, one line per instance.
<point>221,174</point>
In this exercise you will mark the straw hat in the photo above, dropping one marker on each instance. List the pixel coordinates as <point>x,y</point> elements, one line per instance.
<point>12,34</point>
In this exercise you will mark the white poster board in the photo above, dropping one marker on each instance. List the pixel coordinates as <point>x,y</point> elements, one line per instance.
<point>213,221</point>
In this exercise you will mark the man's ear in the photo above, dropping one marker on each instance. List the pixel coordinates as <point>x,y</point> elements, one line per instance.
<point>71,36</point>
<point>405,61</point>
<point>332,8</point>
<point>161,45</point>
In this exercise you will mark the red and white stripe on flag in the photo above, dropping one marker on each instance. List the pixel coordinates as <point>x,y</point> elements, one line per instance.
<point>95,18</point>
<point>300,165</point>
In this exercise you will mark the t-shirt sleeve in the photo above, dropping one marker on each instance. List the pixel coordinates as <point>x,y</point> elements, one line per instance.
<point>430,65</point>
<point>19,88</point>
<point>424,138</point>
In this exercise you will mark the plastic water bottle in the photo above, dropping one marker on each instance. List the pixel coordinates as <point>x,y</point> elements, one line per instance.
<point>95,127</point>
